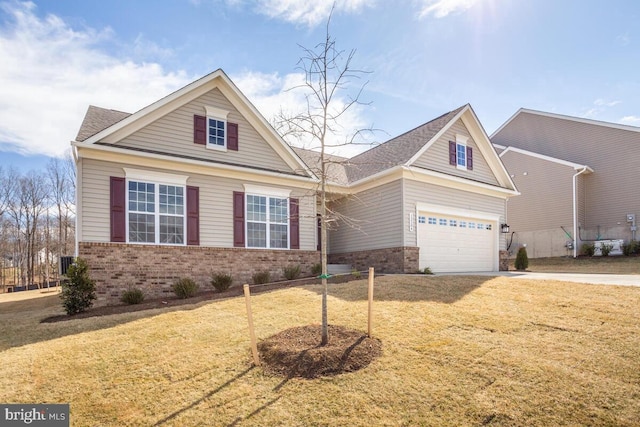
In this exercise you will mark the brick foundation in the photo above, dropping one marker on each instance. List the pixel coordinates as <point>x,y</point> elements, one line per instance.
<point>115,267</point>
<point>402,259</point>
<point>504,261</point>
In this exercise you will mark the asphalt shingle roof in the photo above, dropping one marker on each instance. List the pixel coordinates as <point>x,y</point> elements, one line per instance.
<point>98,119</point>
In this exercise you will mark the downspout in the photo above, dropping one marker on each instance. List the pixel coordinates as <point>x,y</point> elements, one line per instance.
<point>575,211</point>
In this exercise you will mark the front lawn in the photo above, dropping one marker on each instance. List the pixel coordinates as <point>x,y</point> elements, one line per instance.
<point>458,350</point>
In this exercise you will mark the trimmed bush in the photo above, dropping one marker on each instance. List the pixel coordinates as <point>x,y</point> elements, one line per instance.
<point>292,272</point>
<point>132,296</point>
<point>630,248</point>
<point>427,270</point>
<point>588,249</point>
<point>221,281</point>
<point>261,277</point>
<point>78,294</point>
<point>605,250</point>
<point>185,288</point>
<point>355,273</point>
<point>316,269</point>
<point>522,260</point>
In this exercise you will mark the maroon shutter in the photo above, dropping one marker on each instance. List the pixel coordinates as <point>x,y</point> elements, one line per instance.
<point>452,153</point>
<point>319,226</point>
<point>193,216</point>
<point>118,210</point>
<point>470,158</point>
<point>232,136</point>
<point>294,224</point>
<point>200,130</point>
<point>238,219</point>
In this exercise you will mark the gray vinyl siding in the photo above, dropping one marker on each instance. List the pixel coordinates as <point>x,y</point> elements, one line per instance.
<point>436,158</point>
<point>378,216</point>
<point>546,200</point>
<point>173,134</point>
<point>612,191</point>
<point>216,205</point>
<point>418,192</point>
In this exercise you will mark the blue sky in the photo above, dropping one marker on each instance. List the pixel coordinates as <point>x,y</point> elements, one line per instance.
<point>425,57</point>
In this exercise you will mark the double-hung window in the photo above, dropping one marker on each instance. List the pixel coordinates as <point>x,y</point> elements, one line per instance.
<point>460,153</point>
<point>267,222</point>
<point>216,128</point>
<point>155,212</point>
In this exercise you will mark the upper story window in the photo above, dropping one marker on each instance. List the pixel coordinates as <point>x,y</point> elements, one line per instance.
<point>216,128</point>
<point>460,153</point>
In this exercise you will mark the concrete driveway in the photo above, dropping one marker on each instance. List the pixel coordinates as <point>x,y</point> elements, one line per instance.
<point>596,279</point>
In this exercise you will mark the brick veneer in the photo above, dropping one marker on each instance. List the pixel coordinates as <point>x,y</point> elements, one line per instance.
<point>403,259</point>
<point>504,261</point>
<point>116,266</point>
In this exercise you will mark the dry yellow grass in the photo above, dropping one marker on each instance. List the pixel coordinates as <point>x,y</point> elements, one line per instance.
<point>610,265</point>
<point>456,351</point>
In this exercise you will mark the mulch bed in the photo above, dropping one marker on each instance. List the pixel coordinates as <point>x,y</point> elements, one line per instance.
<point>173,301</point>
<point>296,352</point>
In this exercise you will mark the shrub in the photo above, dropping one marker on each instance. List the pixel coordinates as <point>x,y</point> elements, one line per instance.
<point>630,248</point>
<point>355,273</point>
<point>221,281</point>
<point>261,277</point>
<point>292,272</point>
<point>605,249</point>
<point>80,291</point>
<point>427,270</point>
<point>522,260</point>
<point>316,269</point>
<point>132,296</point>
<point>588,249</point>
<point>185,288</point>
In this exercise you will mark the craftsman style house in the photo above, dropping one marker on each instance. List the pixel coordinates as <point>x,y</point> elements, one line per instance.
<point>199,182</point>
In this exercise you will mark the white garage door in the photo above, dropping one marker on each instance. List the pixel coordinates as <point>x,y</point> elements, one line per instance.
<point>455,243</point>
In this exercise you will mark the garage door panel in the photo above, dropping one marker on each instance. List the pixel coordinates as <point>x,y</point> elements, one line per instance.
<point>452,244</point>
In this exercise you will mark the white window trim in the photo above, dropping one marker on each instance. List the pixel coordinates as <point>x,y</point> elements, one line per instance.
<point>461,140</point>
<point>156,178</point>
<point>259,190</point>
<point>220,115</point>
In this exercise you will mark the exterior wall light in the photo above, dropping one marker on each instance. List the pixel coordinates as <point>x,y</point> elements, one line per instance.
<point>504,228</point>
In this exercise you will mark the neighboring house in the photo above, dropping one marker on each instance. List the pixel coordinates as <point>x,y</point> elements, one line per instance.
<point>578,179</point>
<point>199,182</point>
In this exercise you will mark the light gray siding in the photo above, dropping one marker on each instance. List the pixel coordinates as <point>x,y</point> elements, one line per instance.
<point>216,203</point>
<point>418,192</point>
<point>173,134</point>
<point>378,218</point>
<point>547,193</point>
<point>437,157</point>
<point>612,190</point>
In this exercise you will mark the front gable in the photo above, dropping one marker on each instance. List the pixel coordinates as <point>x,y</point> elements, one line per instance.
<point>166,129</point>
<point>482,164</point>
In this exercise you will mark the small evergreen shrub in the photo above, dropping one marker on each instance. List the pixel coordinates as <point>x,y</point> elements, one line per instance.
<point>589,249</point>
<point>356,274</point>
<point>185,288</point>
<point>261,277</point>
<point>522,260</point>
<point>630,248</point>
<point>221,281</point>
<point>605,250</point>
<point>316,269</point>
<point>292,272</point>
<point>80,291</point>
<point>427,270</point>
<point>132,296</point>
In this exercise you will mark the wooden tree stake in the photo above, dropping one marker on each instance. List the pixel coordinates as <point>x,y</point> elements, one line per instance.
<point>371,273</point>
<point>252,332</point>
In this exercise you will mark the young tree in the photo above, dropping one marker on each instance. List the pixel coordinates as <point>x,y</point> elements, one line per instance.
<point>328,74</point>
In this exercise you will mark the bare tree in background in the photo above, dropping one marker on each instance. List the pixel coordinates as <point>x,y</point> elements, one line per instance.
<point>328,75</point>
<point>61,180</point>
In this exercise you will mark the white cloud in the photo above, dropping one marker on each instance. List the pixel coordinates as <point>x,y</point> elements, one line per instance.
<point>631,120</point>
<point>442,8</point>
<point>306,12</point>
<point>272,93</point>
<point>51,72</point>
<point>603,103</point>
